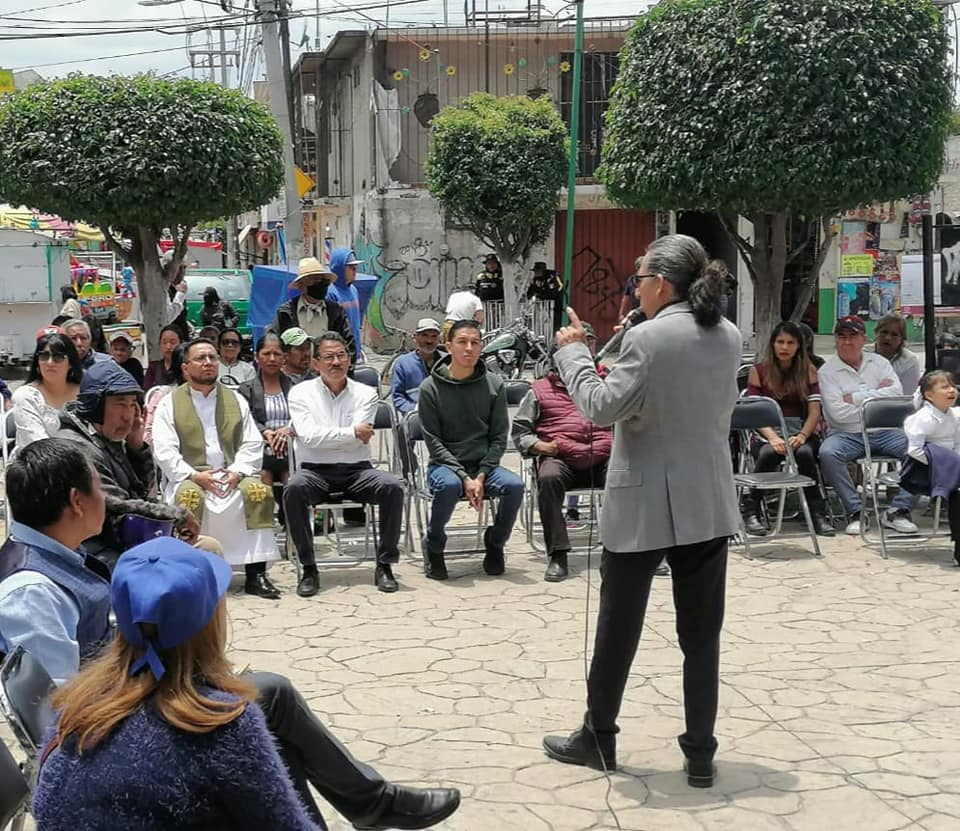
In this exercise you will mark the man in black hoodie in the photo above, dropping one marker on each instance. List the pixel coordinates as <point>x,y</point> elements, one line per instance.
<point>107,420</point>
<point>311,311</point>
<point>463,412</point>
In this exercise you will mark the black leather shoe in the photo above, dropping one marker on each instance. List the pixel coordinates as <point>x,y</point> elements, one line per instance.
<point>384,579</point>
<point>415,808</point>
<point>754,525</point>
<point>434,566</point>
<point>260,586</point>
<point>584,747</point>
<point>493,561</point>
<point>700,773</point>
<point>309,584</point>
<point>822,525</point>
<point>557,569</point>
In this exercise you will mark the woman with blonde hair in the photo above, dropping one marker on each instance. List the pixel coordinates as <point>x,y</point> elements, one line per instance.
<point>158,732</point>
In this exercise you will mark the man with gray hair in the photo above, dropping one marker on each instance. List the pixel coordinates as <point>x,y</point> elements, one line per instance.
<point>79,332</point>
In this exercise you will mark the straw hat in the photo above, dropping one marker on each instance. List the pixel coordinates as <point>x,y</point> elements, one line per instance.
<point>311,265</point>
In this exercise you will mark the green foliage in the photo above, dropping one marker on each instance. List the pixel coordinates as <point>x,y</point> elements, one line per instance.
<point>801,106</point>
<point>140,151</point>
<point>496,165</point>
<point>955,123</point>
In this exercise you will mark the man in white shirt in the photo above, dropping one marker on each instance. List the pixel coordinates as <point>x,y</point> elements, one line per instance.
<point>890,339</point>
<point>847,379</point>
<point>210,453</point>
<point>461,305</point>
<point>333,417</point>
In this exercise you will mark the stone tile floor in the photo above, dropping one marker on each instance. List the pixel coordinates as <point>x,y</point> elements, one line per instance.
<point>839,700</point>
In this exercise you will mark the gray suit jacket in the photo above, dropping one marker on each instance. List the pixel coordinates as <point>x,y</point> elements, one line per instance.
<point>670,397</point>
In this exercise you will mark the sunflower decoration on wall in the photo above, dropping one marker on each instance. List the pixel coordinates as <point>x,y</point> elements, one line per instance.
<point>564,66</point>
<point>398,75</point>
<point>451,71</point>
<point>425,55</point>
<point>508,69</point>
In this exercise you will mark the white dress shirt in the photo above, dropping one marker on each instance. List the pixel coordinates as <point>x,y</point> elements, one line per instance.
<point>908,368</point>
<point>931,425</point>
<point>838,378</point>
<point>324,422</point>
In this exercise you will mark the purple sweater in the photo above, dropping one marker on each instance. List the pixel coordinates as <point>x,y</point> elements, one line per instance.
<point>149,776</point>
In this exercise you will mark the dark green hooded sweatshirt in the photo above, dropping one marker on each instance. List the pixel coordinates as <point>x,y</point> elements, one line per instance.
<point>465,422</point>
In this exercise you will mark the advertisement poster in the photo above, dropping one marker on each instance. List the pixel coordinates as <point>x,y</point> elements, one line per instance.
<point>885,286</point>
<point>853,297</point>
<point>859,247</point>
<point>911,284</point>
<point>950,266</point>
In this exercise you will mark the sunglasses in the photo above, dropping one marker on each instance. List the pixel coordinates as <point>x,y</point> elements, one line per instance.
<point>46,357</point>
<point>229,342</point>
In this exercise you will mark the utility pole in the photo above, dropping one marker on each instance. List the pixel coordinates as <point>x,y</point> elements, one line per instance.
<point>574,155</point>
<point>271,12</point>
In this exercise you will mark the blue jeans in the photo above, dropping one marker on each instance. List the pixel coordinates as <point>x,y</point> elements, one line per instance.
<point>839,449</point>
<point>447,490</point>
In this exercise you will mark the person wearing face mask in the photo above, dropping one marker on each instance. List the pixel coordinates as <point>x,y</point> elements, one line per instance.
<point>311,311</point>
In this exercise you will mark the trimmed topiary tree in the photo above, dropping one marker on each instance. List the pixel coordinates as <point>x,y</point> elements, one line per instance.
<point>135,156</point>
<point>496,166</point>
<point>777,108</point>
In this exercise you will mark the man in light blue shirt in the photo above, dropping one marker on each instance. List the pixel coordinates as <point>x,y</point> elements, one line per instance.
<point>53,598</point>
<point>409,370</point>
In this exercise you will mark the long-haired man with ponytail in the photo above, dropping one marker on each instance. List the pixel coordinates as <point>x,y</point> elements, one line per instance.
<point>669,491</point>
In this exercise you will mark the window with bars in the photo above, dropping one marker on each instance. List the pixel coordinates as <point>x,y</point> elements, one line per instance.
<point>598,73</point>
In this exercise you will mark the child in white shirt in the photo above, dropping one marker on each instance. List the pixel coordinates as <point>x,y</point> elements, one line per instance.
<point>937,422</point>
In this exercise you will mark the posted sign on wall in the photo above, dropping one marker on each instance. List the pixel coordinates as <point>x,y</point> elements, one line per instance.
<point>6,81</point>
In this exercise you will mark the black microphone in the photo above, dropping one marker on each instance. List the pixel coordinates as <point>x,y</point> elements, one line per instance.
<point>632,319</point>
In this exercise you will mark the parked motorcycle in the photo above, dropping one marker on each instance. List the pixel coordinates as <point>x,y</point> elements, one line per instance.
<point>506,351</point>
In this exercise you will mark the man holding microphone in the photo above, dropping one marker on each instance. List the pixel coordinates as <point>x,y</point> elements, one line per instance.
<point>669,491</point>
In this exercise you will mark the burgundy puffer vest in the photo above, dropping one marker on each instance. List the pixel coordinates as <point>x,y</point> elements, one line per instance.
<point>585,443</point>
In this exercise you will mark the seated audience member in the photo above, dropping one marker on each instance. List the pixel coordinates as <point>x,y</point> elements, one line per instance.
<point>847,379</point>
<point>232,369</point>
<point>410,370</point>
<point>121,350</point>
<point>297,355</point>
<point>52,381</point>
<point>461,305</point>
<point>267,394</point>
<point>933,447</point>
<point>107,421</point>
<point>333,418</point>
<point>890,340</point>
<point>160,372</point>
<point>210,452</point>
<point>79,331</point>
<point>55,603</point>
<point>463,412</point>
<point>569,451</point>
<point>312,311</point>
<point>155,395</point>
<point>787,376</point>
<point>807,333</point>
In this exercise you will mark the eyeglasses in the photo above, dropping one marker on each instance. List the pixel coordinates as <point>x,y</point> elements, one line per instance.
<point>45,356</point>
<point>230,342</point>
<point>640,277</point>
<point>205,359</point>
<point>337,357</point>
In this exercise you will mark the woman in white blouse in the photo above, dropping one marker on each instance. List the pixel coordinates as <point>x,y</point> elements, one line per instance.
<point>53,381</point>
<point>937,422</point>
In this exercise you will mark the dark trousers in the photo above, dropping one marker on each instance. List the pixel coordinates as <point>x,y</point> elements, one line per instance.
<point>699,577</point>
<point>313,754</point>
<point>953,515</point>
<point>766,460</point>
<point>359,482</point>
<point>554,478</point>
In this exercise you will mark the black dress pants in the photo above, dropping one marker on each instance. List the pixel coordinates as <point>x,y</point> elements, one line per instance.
<point>360,482</point>
<point>313,754</point>
<point>767,460</point>
<point>699,580</point>
<point>554,478</point>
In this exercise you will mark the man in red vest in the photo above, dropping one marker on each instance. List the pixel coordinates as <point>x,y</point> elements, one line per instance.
<point>570,452</point>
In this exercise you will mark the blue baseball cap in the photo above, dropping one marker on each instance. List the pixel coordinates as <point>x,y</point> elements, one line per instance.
<point>170,584</point>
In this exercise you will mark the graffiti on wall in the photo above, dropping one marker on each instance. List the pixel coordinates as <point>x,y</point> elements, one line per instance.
<point>596,281</point>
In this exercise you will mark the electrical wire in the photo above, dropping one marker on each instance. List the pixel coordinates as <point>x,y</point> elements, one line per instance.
<point>50,6</point>
<point>99,58</point>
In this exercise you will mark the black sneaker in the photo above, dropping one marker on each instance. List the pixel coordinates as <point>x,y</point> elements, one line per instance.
<point>493,561</point>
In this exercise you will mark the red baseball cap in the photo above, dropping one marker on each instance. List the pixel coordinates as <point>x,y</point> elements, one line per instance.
<point>849,325</point>
<point>49,330</point>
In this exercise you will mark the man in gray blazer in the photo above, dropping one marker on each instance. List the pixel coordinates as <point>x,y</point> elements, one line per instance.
<point>669,491</point>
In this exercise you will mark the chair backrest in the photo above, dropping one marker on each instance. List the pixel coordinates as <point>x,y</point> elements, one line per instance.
<point>384,419</point>
<point>743,375</point>
<point>516,390</point>
<point>412,427</point>
<point>14,790</point>
<point>886,413</point>
<point>26,697</point>
<point>949,359</point>
<point>366,374</point>
<point>755,411</point>
<point>10,434</point>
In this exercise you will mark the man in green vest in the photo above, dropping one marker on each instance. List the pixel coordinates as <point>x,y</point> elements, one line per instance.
<point>210,453</point>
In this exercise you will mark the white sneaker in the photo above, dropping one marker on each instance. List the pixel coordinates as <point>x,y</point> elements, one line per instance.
<point>853,528</point>
<point>900,522</point>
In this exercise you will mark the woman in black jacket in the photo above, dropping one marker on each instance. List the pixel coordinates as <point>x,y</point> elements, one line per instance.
<point>217,312</point>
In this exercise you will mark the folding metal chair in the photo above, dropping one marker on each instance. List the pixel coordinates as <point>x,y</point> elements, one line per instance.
<point>878,414</point>
<point>367,375</point>
<point>753,413</point>
<point>419,496</point>
<point>516,390</point>
<point>589,505</point>
<point>7,447</point>
<point>25,689</point>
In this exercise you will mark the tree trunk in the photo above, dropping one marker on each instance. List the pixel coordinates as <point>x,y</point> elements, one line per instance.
<point>152,286</point>
<point>769,258</point>
<point>514,285</point>
<point>813,277</point>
